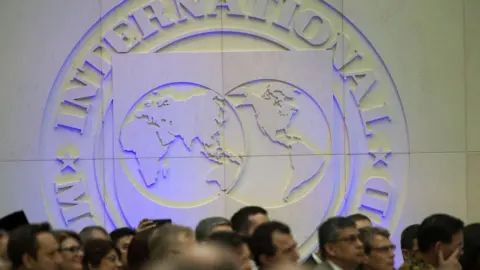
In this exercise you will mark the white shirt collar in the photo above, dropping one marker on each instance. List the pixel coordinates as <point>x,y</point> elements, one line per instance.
<point>316,258</point>
<point>253,265</point>
<point>334,266</point>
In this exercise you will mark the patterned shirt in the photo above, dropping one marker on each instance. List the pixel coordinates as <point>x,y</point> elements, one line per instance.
<point>416,265</point>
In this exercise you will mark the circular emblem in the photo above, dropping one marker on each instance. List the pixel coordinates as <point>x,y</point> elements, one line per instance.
<point>185,109</point>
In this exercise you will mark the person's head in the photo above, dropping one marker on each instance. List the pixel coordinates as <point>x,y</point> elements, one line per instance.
<point>272,244</point>
<point>210,225</point>
<point>3,244</point>
<point>440,233</point>
<point>378,248</point>
<point>33,247</point>
<point>339,242</point>
<point>138,251</point>
<point>200,257</point>
<point>361,221</point>
<point>470,258</point>
<point>71,250</point>
<point>102,255</point>
<point>93,232</point>
<point>121,238</point>
<point>234,242</point>
<point>248,218</point>
<point>170,241</point>
<point>409,243</point>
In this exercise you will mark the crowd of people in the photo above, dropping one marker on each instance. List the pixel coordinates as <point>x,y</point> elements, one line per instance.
<point>248,240</point>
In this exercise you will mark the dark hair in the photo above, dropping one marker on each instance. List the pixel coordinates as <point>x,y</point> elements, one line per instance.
<point>437,228</point>
<point>328,231</point>
<point>23,240</point>
<point>471,247</point>
<point>408,235</point>
<point>358,217</point>
<point>206,226</point>
<point>86,233</point>
<point>115,235</point>
<point>367,236</point>
<point>241,219</point>
<point>261,242</point>
<point>138,251</point>
<point>96,249</point>
<point>227,239</point>
<point>62,235</point>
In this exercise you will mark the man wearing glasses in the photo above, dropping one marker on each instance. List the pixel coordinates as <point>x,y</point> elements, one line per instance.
<point>378,249</point>
<point>340,246</point>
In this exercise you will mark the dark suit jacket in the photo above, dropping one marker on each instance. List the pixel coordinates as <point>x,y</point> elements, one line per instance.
<point>310,262</point>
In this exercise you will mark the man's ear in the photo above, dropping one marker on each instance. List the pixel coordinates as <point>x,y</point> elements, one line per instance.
<point>437,247</point>
<point>28,261</point>
<point>405,254</point>
<point>329,250</point>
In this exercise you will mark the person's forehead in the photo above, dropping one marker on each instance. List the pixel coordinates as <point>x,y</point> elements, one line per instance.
<point>363,223</point>
<point>381,240</point>
<point>347,231</point>
<point>185,237</point>
<point>46,239</point>
<point>125,238</point>
<point>222,228</point>
<point>69,241</point>
<point>282,239</point>
<point>258,218</point>
<point>99,234</point>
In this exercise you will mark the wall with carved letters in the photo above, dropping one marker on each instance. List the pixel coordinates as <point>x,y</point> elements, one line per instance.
<point>112,111</point>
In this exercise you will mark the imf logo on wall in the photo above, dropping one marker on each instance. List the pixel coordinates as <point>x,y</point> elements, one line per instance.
<point>186,109</point>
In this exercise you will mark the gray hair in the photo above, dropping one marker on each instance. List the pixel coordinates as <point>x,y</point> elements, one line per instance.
<point>367,236</point>
<point>206,227</point>
<point>163,239</point>
<point>203,257</point>
<point>86,233</point>
<point>328,231</point>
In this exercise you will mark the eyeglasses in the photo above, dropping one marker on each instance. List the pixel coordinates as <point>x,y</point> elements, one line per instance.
<point>385,248</point>
<point>71,249</point>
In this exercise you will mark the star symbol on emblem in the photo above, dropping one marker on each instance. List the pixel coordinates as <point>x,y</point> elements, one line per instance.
<point>380,157</point>
<point>68,162</point>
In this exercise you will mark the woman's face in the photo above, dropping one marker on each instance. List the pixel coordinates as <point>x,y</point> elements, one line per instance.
<point>111,261</point>
<point>72,254</point>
